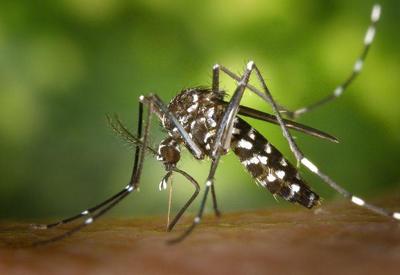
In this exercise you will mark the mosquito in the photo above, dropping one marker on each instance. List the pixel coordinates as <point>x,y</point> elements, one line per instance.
<point>200,120</point>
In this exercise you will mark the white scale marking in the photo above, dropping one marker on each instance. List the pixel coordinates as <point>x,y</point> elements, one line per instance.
<point>338,91</point>
<point>301,111</point>
<point>85,213</point>
<point>283,162</point>
<point>396,215</point>
<point>271,178</point>
<point>235,131</point>
<point>162,185</point>
<point>251,134</point>
<point>357,201</point>
<point>211,122</point>
<point>263,159</point>
<point>89,221</point>
<point>295,188</point>
<point>268,148</point>
<point>311,199</point>
<point>195,97</point>
<point>369,36</point>
<point>309,165</point>
<point>254,160</point>
<point>376,13</point>
<point>245,144</point>
<point>250,65</point>
<point>210,112</point>
<point>208,135</point>
<point>358,66</point>
<point>280,173</point>
<point>193,107</point>
<point>164,121</point>
<point>183,119</point>
<point>159,157</point>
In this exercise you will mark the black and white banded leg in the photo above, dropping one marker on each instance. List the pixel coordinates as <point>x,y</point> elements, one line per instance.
<point>221,143</point>
<point>300,156</point>
<point>358,65</point>
<point>97,211</point>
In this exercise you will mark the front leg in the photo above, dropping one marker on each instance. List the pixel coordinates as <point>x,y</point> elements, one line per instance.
<point>222,139</point>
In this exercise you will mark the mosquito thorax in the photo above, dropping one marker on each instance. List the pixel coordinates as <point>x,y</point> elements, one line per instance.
<point>199,111</point>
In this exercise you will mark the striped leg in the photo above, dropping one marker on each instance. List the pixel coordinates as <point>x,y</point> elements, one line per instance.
<point>313,168</point>
<point>220,146</point>
<point>358,65</point>
<point>87,212</point>
<point>215,88</point>
<point>99,210</point>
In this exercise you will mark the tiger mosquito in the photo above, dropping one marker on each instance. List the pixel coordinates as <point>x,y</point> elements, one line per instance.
<point>200,120</point>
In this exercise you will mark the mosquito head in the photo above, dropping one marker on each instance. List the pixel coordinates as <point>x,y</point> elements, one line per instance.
<point>169,152</point>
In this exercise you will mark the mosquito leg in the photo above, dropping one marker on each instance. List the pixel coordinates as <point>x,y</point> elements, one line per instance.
<point>340,89</point>
<point>267,97</point>
<point>197,219</point>
<point>214,201</point>
<point>354,199</point>
<point>189,202</point>
<point>133,184</point>
<point>310,166</point>
<point>215,88</point>
<point>86,222</point>
<point>221,143</point>
<point>87,212</point>
<point>294,148</point>
<point>90,211</point>
<point>368,39</point>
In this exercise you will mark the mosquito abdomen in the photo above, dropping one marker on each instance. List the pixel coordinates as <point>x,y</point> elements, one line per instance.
<point>268,166</point>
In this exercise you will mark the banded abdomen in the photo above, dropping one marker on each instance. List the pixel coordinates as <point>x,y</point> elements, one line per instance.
<point>267,165</point>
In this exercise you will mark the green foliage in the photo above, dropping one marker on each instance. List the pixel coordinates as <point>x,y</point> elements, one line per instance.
<point>64,65</point>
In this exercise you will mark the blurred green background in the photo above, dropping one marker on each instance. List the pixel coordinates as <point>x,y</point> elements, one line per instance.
<point>64,65</point>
